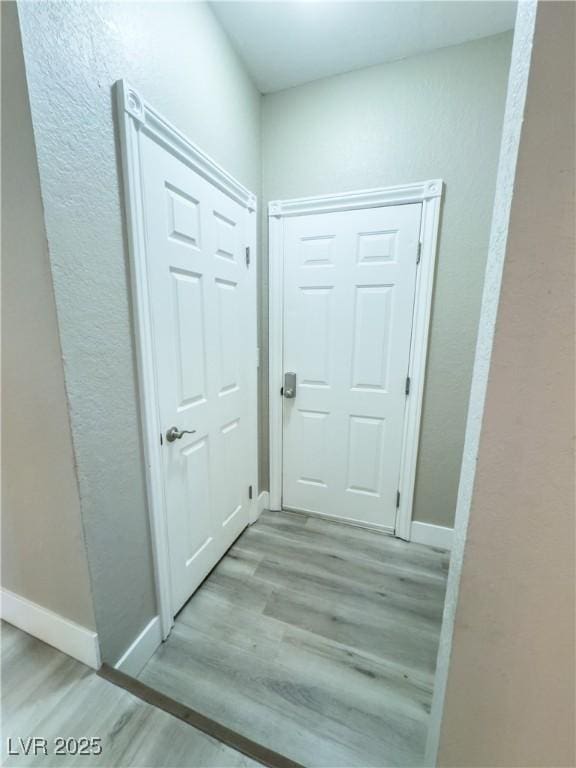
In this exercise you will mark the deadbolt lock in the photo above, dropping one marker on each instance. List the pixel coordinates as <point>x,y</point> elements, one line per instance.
<point>289,389</point>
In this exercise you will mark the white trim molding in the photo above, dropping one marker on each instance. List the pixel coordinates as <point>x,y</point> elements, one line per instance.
<point>363,198</point>
<point>432,535</point>
<point>61,633</point>
<point>138,653</point>
<point>263,502</point>
<point>151,122</point>
<point>429,228</point>
<point>429,194</point>
<point>275,355</point>
<point>138,118</point>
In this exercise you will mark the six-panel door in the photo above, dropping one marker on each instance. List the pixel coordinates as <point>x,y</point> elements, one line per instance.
<point>198,277</point>
<point>349,286</point>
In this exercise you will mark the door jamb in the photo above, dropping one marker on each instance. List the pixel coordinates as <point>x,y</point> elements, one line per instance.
<point>429,193</point>
<point>136,117</point>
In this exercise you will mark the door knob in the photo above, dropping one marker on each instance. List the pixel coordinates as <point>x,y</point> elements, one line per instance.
<point>175,434</point>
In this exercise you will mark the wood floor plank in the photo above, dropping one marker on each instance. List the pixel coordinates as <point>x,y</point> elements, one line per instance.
<point>48,694</point>
<point>384,549</point>
<point>228,622</point>
<point>35,678</point>
<point>378,635</point>
<point>316,639</point>
<point>366,573</point>
<point>413,611</point>
<point>280,704</point>
<point>226,580</point>
<point>358,542</point>
<point>341,667</point>
<point>383,684</point>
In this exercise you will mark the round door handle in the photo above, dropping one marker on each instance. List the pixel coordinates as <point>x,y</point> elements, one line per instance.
<point>175,434</point>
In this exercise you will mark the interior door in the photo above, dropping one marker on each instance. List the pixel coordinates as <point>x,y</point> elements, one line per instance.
<point>204,349</point>
<point>349,287</point>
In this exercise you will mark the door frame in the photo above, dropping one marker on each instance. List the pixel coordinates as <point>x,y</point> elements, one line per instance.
<point>136,117</point>
<point>429,193</point>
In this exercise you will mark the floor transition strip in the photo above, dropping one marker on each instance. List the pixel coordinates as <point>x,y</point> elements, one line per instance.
<point>197,720</point>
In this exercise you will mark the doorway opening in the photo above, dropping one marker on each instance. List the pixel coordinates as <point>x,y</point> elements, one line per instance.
<point>302,435</point>
<point>351,281</point>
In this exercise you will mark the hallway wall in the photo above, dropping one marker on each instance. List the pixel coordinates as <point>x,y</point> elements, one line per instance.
<point>438,115</point>
<point>510,699</point>
<point>43,552</point>
<point>178,57</point>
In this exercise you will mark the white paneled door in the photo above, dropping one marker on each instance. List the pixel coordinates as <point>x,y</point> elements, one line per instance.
<point>349,287</point>
<point>202,317</point>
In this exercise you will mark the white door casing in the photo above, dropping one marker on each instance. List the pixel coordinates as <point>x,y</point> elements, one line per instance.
<point>350,308</point>
<point>194,286</point>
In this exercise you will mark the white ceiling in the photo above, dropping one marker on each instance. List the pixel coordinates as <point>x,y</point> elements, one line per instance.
<point>291,42</point>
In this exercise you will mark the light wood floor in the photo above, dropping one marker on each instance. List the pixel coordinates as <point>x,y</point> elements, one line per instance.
<point>48,694</point>
<point>315,639</point>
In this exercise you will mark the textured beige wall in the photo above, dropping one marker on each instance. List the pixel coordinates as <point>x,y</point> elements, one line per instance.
<point>43,554</point>
<point>177,55</point>
<point>429,116</point>
<point>510,698</point>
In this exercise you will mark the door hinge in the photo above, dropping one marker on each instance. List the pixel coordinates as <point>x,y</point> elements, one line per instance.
<point>397,499</point>
<point>249,491</point>
<point>247,255</point>
<point>161,439</point>
<point>407,387</point>
<point>419,252</point>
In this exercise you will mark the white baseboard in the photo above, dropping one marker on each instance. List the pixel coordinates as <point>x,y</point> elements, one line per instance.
<point>432,535</point>
<point>263,502</point>
<point>63,634</point>
<point>137,655</point>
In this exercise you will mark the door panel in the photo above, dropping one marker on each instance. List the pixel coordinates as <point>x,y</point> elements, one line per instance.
<point>188,301</point>
<point>227,312</point>
<point>315,315</point>
<point>371,338</point>
<point>196,462</point>
<point>365,444</point>
<point>201,322</point>
<point>349,291</point>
